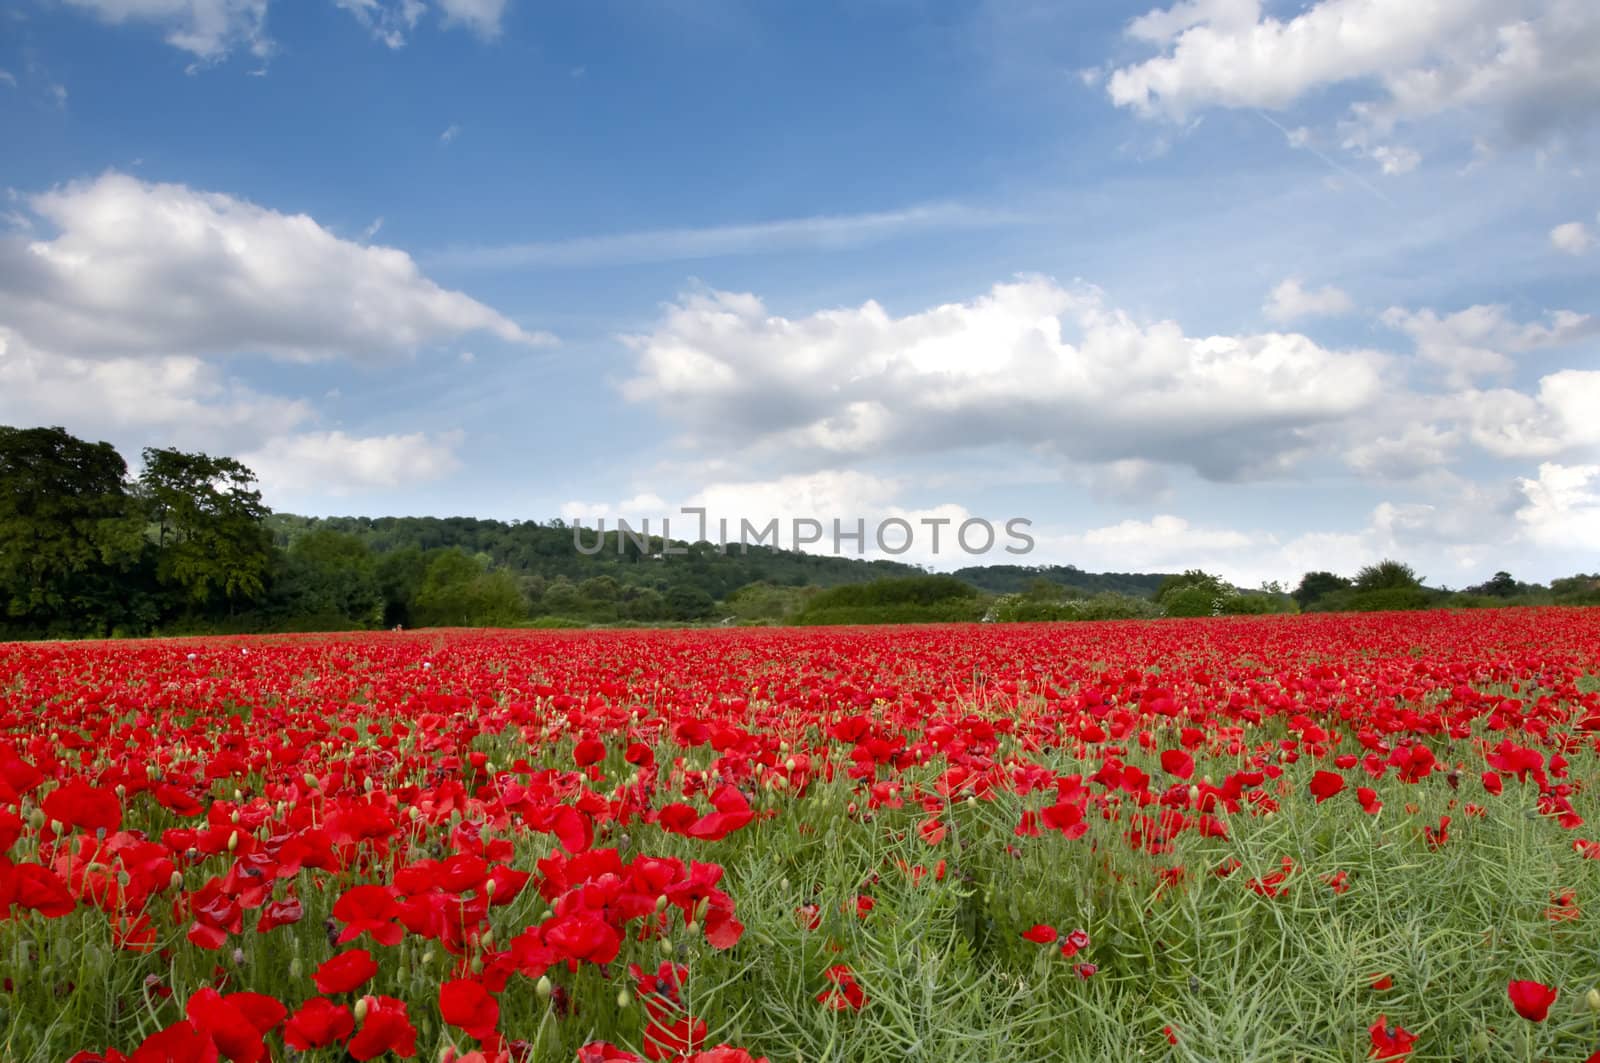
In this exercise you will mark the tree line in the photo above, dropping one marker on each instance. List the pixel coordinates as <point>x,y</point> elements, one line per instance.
<point>88,549</point>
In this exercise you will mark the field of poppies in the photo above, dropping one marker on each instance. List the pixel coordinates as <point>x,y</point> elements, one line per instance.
<point>1279,838</point>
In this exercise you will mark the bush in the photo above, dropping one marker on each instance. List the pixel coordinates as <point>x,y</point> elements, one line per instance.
<point>1018,608</point>
<point>913,600</point>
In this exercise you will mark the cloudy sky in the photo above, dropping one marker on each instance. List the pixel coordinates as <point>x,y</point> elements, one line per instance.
<point>1255,286</point>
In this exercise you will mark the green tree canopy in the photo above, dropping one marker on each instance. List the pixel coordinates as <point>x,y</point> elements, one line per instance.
<point>207,523</point>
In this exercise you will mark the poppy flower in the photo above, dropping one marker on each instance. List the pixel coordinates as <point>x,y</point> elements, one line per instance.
<point>386,1028</point>
<point>345,972</point>
<point>464,1003</point>
<point>319,1023</point>
<point>1324,784</point>
<point>1531,999</point>
<point>1390,1042</point>
<point>1040,934</point>
<point>81,805</point>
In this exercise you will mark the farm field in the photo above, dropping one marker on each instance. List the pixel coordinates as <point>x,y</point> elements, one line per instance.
<point>1327,838</point>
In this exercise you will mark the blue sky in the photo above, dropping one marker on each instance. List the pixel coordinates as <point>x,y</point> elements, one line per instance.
<point>1253,286</point>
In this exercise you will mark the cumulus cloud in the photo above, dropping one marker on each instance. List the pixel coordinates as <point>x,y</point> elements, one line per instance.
<point>1028,364</point>
<point>1414,450</point>
<point>1559,419</point>
<point>1562,506</point>
<point>1291,301</point>
<point>120,325</point>
<point>143,268</point>
<point>333,463</point>
<point>1480,339</point>
<point>171,399</point>
<point>482,17</point>
<point>389,22</point>
<point>1526,67</point>
<point>1573,237</point>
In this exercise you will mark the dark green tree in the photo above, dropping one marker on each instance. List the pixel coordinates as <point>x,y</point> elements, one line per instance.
<point>68,531</point>
<point>330,577</point>
<point>1387,575</point>
<point>207,521</point>
<point>1315,585</point>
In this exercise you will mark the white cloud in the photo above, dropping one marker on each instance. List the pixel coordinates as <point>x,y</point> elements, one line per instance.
<point>168,399</point>
<point>1573,237</point>
<point>450,133</point>
<point>1416,449</point>
<point>389,22</point>
<point>119,325</point>
<point>140,268</point>
<point>1528,67</point>
<point>1291,301</point>
<point>333,463</point>
<point>206,29</point>
<point>997,370</point>
<point>1562,507</point>
<point>1479,340</point>
<point>8,78</point>
<point>482,17</point>
<point>827,232</point>
<point>1560,419</point>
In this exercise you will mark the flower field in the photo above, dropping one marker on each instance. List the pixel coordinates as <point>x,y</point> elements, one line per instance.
<point>1279,838</point>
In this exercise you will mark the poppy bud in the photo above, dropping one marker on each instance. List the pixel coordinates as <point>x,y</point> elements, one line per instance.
<point>1592,998</point>
<point>691,927</point>
<point>666,947</point>
<point>361,1009</point>
<point>234,817</point>
<point>486,939</point>
<point>176,882</point>
<point>237,796</point>
<point>1480,1042</point>
<point>296,968</point>
<point>661,903</point>
<point>1194,794</point>
<point>702,908</point>
<point>233,841</point>
<point>788,765</point>
<point>310,780</point>
<point>477,965</point>
<point>624,998</point>
<point>544,987</point>
<point>36,818</point>
<point>488,891</point>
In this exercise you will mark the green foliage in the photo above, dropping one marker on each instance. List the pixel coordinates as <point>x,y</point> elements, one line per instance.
<point>1387,575</point>
<point>1386,599</point>
<point>458,591</point>
<point>328,578</point>
<point>915,600</point>
<point>69,534</point>
<point>1315,585</point>
<point>1106,606</point>
<point>207,518</point>
<point>1015,579</point>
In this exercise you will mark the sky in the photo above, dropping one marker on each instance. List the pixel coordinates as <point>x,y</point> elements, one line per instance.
<point>1256,287</point>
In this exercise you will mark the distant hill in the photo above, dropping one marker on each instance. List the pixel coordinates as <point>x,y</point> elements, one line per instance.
<point>547,552</point>
<point>1014,579</point>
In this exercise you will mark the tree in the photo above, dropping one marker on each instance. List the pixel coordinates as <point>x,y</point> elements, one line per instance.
<point>1191,580</point>
<point>1387,575</point>
<point>329,576</point>
<point>209,527</point>
<point>67,529</point>
<point>1316,585</point>
<point>458,592</point>
<point>1500,585</point>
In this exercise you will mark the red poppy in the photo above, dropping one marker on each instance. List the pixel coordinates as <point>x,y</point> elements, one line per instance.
<point>384,1029</point>
<point>84,806</point>
<point>1531,999</point>
<point>345,972</point>
<point>1390,1042</point>
<point>466,1004</point>
<point>1324,784</point>
<point>319,1023</point>
<point>1040,934</point>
